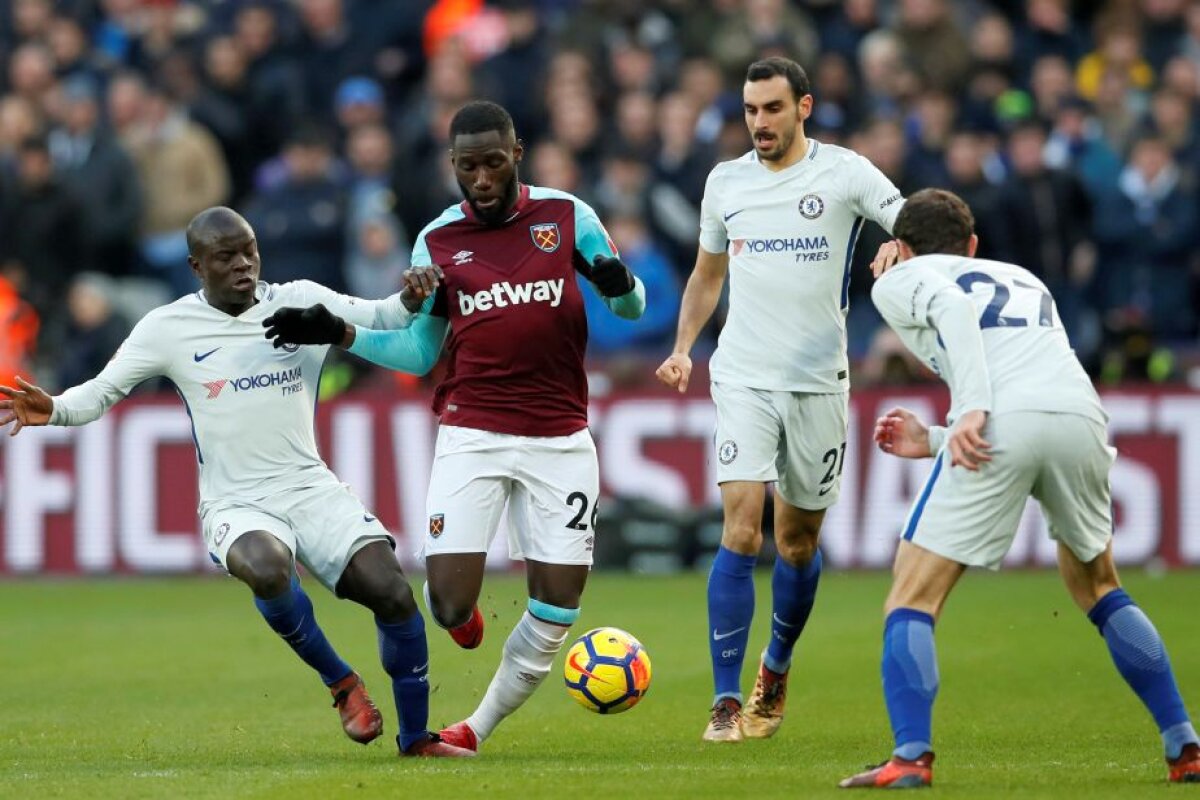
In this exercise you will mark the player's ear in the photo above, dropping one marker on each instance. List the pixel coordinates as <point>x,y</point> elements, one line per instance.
<point>194,264</point>
<point>972,245</point>
<point>518,151</point>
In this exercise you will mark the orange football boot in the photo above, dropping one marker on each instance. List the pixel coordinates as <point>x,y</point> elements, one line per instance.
<point>361,720</point>
<point>469,635</point>
<point>896,773</point>
<point>460,734</point>
<point>1186,768</point>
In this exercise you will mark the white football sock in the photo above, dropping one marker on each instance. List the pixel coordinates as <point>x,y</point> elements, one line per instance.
<point>528,654</point>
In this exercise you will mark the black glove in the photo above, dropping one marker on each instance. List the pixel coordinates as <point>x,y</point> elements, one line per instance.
<point>611,277</point>
<point>312,325</point>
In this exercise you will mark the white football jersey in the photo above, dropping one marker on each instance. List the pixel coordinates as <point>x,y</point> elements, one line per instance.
<point>790,236</point>
<point>1030,365</point>
<point>251,405</point>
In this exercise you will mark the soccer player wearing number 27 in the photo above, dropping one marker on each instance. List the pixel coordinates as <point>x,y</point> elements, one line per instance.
<point>782,220</point>
<point>497,272</point>
<point>991,331</point>
<point>266,497</point>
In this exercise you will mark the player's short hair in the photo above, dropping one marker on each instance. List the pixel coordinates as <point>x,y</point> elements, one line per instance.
<point>481,116</point>
<point>768,68</point>
<point>935,221</point>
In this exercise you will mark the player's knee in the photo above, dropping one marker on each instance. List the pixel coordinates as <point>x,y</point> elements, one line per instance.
<point>797,550</point>
<point>449,612</point>
<point>268,577</point>
<point>742,536</point>
<point>393,602</point>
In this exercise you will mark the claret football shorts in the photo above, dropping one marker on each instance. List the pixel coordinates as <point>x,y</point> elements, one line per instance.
<point>795,438</point>
<point>323,526</point>
<point>549,484</point>
<point>1061,460</point>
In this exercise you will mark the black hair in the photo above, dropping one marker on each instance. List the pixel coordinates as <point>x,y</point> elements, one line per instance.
<point>768,68</point>
<point>481,116</point>
<point>935,221</point>
<point>208,221</point>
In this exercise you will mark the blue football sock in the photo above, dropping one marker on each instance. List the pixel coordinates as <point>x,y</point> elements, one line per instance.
<point>405,656</point>
<point>291,616</point>
<point>910,680</point>
<point>793,590</point>
<point>1140,657</point>
<point>730,611</point>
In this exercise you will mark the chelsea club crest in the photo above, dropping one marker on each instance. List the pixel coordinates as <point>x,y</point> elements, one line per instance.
<point>811,206</point>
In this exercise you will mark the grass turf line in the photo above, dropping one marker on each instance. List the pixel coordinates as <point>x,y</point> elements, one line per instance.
<point>175,688</point>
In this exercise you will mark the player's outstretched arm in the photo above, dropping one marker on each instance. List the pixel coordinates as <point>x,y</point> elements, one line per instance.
<point>27,405</point>
<point>902,433</point>
<point>414,349</point>
<point>700,298</point>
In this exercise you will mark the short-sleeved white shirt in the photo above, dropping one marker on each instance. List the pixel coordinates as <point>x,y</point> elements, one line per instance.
<point>790,237</point>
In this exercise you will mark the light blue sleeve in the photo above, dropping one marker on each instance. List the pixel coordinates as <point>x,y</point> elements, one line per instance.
<point>414,349</point>
<point>592,241</point>
<point>627,306</point>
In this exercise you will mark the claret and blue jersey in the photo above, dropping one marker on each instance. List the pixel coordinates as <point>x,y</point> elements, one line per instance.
<point>517,326</point>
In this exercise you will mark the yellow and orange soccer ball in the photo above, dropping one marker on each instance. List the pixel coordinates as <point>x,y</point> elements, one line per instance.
<point>607,671</point>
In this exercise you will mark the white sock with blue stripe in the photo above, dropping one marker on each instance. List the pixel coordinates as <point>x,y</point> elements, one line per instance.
<point>528,654</point>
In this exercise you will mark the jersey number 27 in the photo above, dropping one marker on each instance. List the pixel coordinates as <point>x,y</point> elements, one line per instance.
<point>1001,294</point>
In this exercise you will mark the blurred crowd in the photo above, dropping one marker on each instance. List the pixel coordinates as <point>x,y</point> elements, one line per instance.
<point>1069,127</point>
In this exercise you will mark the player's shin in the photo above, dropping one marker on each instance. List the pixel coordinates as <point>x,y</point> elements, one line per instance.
<point>910,680</point>
<point>404,653</point>
<point>793,592</point>
<point>730,612</point>
<point>528,655</point>
<point>1139,654</point>
<point>291,616</point>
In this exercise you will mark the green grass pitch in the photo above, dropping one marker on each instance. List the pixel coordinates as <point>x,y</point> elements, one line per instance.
<point>176,689</point>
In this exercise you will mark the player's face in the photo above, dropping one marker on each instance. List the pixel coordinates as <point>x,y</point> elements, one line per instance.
<point>485,166</point>
<point>773,116</point>
<point>228,266</point>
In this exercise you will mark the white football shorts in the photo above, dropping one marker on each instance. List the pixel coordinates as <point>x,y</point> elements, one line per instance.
<point>795,438</point>
<point>1062,460</point>
<point>549,483</point>
<point>323,526</point>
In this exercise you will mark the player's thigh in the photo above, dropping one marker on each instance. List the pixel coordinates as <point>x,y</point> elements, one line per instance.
<point>554,505</point>
<point>814,448</point>
<point>748,434</point>
<point>1073,485</point>
<point>332,525</point>
<point>469,486</point>
<point>972,517</point>
<point>223,524</point>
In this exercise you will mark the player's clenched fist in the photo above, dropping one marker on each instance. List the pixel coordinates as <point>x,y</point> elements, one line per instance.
<point>675,371</point>
<point>901,433</point>
<point>312,325</point>
<point>612,277</point>
<point>28,405</point>
<point>419,284</point>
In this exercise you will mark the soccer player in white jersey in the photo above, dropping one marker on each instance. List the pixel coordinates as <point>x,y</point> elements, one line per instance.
<point>266,497</point>
<point>992,332</point>
<point>782,221</point>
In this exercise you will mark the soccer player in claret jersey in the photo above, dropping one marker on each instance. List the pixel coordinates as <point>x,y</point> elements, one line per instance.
<point>498,273</point>
<point>266,497</point>
<point>782,221</point>
<point>1024,421</point>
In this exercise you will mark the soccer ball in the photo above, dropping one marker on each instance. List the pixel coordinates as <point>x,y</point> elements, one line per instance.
<point>607,671</point>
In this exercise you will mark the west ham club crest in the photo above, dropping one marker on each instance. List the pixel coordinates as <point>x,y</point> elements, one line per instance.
<point>545,236</point>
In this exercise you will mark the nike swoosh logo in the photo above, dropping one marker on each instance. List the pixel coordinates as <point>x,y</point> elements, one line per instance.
<point>198,357</point>
<point>824,491</point>
<point>421,668</point>
<point>368,518</point>
<point>574,664</point>
<point>781,622</point>
<point>719,636</point>
<point>733,214</point>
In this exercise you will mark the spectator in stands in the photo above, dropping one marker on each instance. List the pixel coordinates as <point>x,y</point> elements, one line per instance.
<point>551,165</point>
<point>268,79</point>
<point>101,175</point>
<point>331,51</point>
<point>1119,51</point>
<point>1049,219</point>
<point>682,159</point>
<point>301,221</point>
<point>379,254</point>
<point>43,241</point>
<point>1048,30</point>
<point>94,329</point>
<point>1076,143</point>
<point>1172,116</point>
<point>1052,85</point>
<point>1147,230</point>
<point>358,101</point>
<point>965,155</point>
<point>758,25</point>
<point>182,172</point>
<point>373,255</point>
<point>847,25</point>
<point>19,120</point>
<point>934,44</point>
